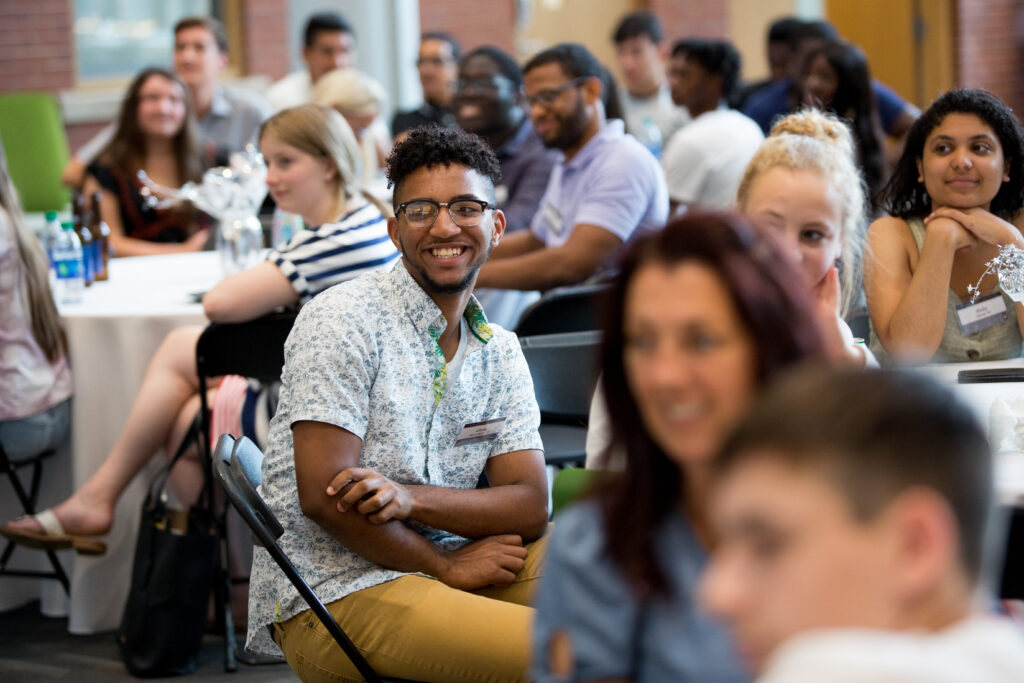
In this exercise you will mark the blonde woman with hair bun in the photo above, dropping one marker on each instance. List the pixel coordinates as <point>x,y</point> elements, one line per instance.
<point>311,157</point>
<point>360,99</point>
<point>804,186</point>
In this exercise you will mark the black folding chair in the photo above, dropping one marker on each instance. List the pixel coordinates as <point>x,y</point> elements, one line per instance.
<point>28,500</point>
<point>564,309</point>
<point>238,466</point>
<point>252,349</point>
<point>564,368</point>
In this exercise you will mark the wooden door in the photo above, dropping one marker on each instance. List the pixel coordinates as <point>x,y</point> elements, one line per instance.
<point>909,43</point>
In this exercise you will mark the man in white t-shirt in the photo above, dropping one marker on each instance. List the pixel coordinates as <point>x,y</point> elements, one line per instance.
<point>849,513</point>
<point>651,116</point>
<point>705,160</point>
<point>328,43</point>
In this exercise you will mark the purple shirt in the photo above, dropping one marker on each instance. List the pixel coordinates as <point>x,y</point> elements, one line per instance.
<point>613,182</point>
<point>525,168</point>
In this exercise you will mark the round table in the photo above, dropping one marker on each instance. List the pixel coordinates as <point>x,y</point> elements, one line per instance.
<point>113,333</point>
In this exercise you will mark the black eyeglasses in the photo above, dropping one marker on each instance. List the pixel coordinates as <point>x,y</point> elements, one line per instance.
<point>465,213</point>
<point>546,98</point>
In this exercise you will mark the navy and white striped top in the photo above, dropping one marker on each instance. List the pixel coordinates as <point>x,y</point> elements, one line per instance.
<point>321,257</point>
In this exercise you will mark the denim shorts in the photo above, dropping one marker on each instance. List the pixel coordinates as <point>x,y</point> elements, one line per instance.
<point>29,436</point>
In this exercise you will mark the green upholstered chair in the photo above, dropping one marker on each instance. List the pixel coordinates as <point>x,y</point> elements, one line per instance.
<point>37,148</point>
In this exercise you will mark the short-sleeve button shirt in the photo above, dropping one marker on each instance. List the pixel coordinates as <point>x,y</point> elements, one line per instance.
<point>363,356</point>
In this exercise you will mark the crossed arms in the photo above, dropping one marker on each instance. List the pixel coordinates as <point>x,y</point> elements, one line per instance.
<point>365,510</point>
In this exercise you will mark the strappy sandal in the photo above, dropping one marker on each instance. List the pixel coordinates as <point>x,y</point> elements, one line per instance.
<point>53,536</point>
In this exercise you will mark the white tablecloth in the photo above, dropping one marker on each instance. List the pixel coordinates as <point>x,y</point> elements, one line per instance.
<point>113,334</point>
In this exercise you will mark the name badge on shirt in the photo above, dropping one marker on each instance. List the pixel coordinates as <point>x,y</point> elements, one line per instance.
<point>478,432</point>
<point>553,217</point>
<point>981,315</point>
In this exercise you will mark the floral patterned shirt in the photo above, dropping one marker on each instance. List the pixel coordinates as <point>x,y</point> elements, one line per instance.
<point>363,356</point>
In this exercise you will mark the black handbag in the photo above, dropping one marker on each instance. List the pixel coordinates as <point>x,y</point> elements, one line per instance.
<point>173,574</point>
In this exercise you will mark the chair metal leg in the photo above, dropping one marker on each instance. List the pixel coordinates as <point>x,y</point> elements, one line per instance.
<point>28,504</point>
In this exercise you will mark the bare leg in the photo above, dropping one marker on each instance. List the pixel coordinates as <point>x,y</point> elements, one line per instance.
<point>187,476</point>
<point>170,382</point>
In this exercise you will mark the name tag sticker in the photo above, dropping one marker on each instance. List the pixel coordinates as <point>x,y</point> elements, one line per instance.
<point>981,315</point>
<point>553,218</point>
<point>478,432</point>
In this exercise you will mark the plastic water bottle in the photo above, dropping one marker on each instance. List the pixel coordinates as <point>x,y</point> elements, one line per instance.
<point>67,261</point>
<point>652,137</point>
<point>51,231</point>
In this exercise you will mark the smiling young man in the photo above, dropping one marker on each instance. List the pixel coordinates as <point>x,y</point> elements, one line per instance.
<point>228,118</point>
<point>397,395</point>
<point>605,186</point>
<point>850,512</point>
<point>489,102</point>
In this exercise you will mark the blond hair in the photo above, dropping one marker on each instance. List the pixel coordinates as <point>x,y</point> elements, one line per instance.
<point>323,133</point>
<point>822,144</point>
<point>350,91</point>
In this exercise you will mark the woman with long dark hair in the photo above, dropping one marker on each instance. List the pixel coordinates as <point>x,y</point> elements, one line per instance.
<point>700,315</point>
<point>836,78</point>
<point>35,382</point>
<point>954,199</point>
<point>156,134</point>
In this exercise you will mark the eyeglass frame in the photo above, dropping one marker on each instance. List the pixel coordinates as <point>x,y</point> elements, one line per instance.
<point>484,206</point>
<point>546,98</point>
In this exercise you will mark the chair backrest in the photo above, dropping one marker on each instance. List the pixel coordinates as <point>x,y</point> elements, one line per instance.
<point>564,368</point>
<point>565,309</point>
<point>252,349</point>
<point>37,149</point>
<point>238,466</point>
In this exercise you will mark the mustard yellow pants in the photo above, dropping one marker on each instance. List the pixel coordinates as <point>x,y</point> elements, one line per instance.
<point>420,629</point>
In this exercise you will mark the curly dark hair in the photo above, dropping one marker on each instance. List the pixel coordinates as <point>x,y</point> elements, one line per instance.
<point>717,57</point>
<point>905,197</point>
<point>431,146</point>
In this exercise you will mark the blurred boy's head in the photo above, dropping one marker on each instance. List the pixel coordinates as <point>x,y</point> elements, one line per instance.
<point>848,499</point>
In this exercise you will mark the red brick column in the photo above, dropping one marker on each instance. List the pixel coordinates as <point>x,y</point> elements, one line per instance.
<point>266,30</point>
<point>472,22</point>
<point>990,40</point>
<point>36,45</point>
<point>686,18</point>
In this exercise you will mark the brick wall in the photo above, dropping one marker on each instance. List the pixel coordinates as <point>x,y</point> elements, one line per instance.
<point>265,29</point>
<point>472,22</point>
<point>990,42</point>
<point>36,50</point>
<point>684,18</point>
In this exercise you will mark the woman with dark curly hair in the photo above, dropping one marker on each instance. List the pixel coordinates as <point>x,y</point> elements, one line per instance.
<point>701,314</point>
<point>836,78</point>
<point>954,199</point>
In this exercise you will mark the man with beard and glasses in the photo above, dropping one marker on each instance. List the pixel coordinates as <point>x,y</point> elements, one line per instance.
<point>489,101</point>
<point>605,187</point>
<point>397,394</point>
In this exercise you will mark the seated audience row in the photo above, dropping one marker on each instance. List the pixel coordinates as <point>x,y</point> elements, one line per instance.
<point>311,158</point>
